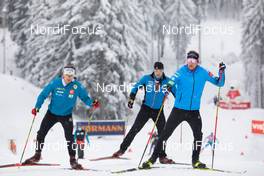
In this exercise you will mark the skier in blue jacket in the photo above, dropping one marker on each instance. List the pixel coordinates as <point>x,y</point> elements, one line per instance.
<point>190,80</point>
<point>154,87</point>
<point>64,92</point>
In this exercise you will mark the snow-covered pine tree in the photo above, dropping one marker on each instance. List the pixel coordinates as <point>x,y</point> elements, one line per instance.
<point>181,13</point>
<point>136,37</point>
<point>47,53</point>
<point>42,52</point>
<point>18,14</point>
<point>112,58</point>
<point>252,49</point>
<point>222,9</point>
<point>154,19</point>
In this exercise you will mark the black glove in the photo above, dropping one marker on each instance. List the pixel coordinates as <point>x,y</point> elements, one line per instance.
<point>130,103</point>
<point>131,100</point>
<point>222,67</point>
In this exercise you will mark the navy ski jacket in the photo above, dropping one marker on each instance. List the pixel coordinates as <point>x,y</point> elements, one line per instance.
<point>153,94</point>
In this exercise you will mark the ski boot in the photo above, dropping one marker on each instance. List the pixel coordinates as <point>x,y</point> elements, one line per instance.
<point>148,164</point>
<point>198,165</point>
<point>118,154</point>
<point>33,159</point>
<point>165,160</point>
<point>75,164</point>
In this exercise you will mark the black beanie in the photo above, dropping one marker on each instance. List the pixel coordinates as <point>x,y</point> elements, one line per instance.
<point>158,65</point>
<point>193,54</point>
<point>70,66</point>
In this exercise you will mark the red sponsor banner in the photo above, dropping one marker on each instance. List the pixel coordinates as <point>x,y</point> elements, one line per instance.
<point>234,105</point>
<point>257,126</point>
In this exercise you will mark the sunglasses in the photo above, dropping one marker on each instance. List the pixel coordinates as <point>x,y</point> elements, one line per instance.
<point>192,61</point>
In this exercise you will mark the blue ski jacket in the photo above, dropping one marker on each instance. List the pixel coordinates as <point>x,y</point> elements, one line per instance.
<point>154,88</point>
<point>63,98</point>
<point>190,85</point>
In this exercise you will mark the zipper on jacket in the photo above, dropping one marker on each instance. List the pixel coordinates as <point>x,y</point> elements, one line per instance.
<point>192,92</point>
<point>180,98</point>
<point>153,101</point>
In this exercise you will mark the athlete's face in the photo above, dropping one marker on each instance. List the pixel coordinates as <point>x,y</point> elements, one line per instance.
<point>158,73</point>
<point>67,78</point>
<point>192,63</point>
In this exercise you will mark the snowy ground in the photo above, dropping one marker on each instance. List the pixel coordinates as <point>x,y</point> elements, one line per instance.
<point>234,134</point>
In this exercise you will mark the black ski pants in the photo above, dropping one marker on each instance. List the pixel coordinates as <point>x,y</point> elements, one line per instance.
<point>143,116</point>
<point>48,122</point>
<point>176,117</point>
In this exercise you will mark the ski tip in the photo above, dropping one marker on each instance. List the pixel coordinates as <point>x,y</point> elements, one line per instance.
<point>18,164</point>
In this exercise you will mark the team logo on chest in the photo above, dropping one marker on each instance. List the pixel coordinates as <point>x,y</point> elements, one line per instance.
<point>75,86</point>
<point>71,93</point>
<point>59,91</point>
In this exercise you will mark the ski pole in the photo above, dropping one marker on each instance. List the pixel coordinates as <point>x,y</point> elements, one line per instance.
<point>91,117</point>
<point>89,120</point>
<point>25,146</point>
<point>125,130</point>
<point>216,118</point>
<point>215,128</point>
<point>151,133</point>
<point>181,135</point>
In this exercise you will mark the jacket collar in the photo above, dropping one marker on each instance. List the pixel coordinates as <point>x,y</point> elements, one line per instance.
<point>162,77</point>
<point>191,71</point>
<point>64,83</point>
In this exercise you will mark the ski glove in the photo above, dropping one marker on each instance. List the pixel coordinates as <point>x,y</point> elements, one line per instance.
<point>169,85</point>
<point>34,111</point>
<point>130,103</point>
<point>131,99</point>
<point>222,67</point>
<point>96,104</point>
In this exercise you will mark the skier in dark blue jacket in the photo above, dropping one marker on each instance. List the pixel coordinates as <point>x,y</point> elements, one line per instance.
<point>154,87</point>
<point>190,80</point>
<point>64,92</point>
